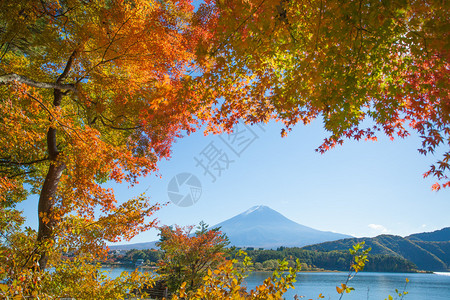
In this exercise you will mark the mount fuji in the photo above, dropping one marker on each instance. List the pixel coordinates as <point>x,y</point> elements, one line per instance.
<point>263,227</point>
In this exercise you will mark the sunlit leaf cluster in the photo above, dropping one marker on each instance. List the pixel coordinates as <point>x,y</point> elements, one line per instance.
<point>343,62</point>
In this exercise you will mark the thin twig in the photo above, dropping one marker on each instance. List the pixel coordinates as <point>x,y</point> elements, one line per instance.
<point>4,161</point>
<point>59,122</point>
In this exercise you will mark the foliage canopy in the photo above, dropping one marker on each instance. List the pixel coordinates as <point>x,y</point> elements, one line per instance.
<point>341,61</point>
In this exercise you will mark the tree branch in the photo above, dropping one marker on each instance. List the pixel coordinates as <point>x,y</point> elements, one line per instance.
<point>7,78</point>
<point>116,127</point>
<point>20,174</point>
<point>10,162</point>
<point>67,68</point>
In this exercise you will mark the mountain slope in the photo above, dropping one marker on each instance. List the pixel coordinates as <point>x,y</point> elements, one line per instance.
<point>425,254</point>
<point>137,246</point>
<point>442,235</point>
<point>263,227</point>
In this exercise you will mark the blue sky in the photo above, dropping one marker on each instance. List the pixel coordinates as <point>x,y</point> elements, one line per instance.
<point>361,188</point>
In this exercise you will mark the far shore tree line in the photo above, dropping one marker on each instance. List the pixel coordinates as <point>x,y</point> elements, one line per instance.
<point>268,260</point>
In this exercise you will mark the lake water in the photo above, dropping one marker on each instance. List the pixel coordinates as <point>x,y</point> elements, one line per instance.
<point>367,285</point>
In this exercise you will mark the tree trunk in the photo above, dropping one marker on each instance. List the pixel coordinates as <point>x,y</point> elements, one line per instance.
<point>47,220</point>
<point>47,199</point>
<point>45,209</point>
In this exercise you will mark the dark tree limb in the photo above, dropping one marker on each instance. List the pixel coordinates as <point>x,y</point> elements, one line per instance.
<point>20,174</point>
<point>7,78</point>
<point>119,128</point>
<point>8,161</point>
<point>67,68</point>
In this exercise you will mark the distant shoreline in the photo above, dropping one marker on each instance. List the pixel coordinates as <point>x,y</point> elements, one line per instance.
<point>144,267</point>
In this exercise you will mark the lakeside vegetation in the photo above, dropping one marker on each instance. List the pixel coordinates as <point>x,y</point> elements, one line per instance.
<point>267,260</point>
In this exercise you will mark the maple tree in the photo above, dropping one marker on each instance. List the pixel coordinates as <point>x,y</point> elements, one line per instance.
<point>90,91</point>
<point>343,62</point>
<point>227,282</point>
<point>188,255</point>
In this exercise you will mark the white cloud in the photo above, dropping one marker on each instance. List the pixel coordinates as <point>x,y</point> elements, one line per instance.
<point>379,228</point>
